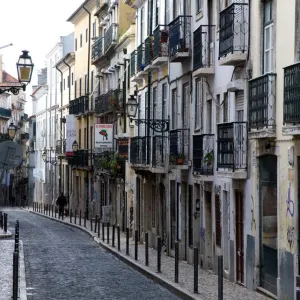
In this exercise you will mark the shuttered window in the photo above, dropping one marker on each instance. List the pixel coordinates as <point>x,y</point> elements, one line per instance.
<point>239,106</point>
<point>218,220</point>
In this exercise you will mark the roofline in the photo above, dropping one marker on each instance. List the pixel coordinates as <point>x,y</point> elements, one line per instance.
<point>70,54</point>
<point>74,14</point>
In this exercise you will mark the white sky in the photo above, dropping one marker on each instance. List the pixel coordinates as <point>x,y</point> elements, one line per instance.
<point>33,25</point>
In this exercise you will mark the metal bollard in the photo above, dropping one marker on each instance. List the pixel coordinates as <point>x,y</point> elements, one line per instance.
<point>55,211</point>
<point>80,218</point>
<point>136,237</point>
<point>52,209</point>
<point>158,254</point>
<point>119,239</point>
<point>70,213</point>
<point>96,222</point>
<point>176,261</point>
<point>99,228</point>
<point>113,236</point>
<point>1,219</point>
<point>127,241</point>
<point>107,238</point>
<point>84,221</point>
<point>196,269</point>
<point>91,222</point>
<point>75,216</point>
<point>220,277</point>
<point>147,248</point>
<point>5,223</point>
<point>49,212</point>
<point>103,232</point>
<point>15,275</point>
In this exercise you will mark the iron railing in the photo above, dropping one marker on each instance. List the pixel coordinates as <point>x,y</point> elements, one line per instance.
<point>5,113</point>
<point>110,102</point>
<point>81,159</point>
<point>291,104</point>
<point>262,102</point>
<point>232,146</point>
<point>79,105</point>
<point>148,50</point>
<point>234,29</point>
<point>159,150</point>
<point>111,37</point>
<point>161,41</point>
<point>204,38</point>
<point>203,154</point>
<point>180,35</point>
<point>60,146</point>
<point>179,146</point>
<point>140,58</point>
<point>138,150</point>
<point>133,64</point>
<point>97,49</point>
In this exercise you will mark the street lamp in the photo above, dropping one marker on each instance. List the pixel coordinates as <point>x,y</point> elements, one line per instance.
<point>11,131</point>
<point>75,146</point>
<point>131,107</point>
<point>24,68</point>
<point>44,155</point>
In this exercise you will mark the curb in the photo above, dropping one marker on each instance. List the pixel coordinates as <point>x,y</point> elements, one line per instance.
<point>6,235</point>
<point>178,291</point>
<point>23,291</point>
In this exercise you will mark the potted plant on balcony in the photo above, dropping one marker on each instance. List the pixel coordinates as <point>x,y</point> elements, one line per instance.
<point>209,158</point>
<point>180,158</point>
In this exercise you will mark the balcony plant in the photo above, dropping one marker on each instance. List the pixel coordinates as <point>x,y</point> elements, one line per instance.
<point>180,158</point>
<point>111,163</point>
<point>209,158</point>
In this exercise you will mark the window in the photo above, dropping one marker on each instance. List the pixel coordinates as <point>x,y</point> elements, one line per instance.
<point>225,108</point>
<point>85,139</point>
<point>80,86</point>
<point>268,37</point>
<point>199,105</point>
<point>68,81</point>
<point>80,40</point>
<point>72,78</point>
<point>85,84</point>
<point>164,97</point>
<point>209,116</point>
<point>167,12</point>
<point>174,109</point>
<point>218,220</point>
<point>150,20</point>
<point>218,107</point>
<point>86,35</point>
<point>142,26</point>
<point>75,44</point>
<point>94,29</point>
<point>92,81</point>
<point>198,5</point>
<point>190,209</point>
<point>79,135</point>
<point>185,106</point>
<point>75,88</point>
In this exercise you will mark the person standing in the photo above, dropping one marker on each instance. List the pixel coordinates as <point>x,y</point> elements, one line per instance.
<point>61,202</point>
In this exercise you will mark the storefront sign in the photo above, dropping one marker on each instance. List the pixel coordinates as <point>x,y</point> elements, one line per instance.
<point>103,136</point>
<point>123,147</point>
<point>71,127</point>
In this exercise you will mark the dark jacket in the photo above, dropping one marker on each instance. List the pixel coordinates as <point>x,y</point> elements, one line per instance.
<point>61,201</point>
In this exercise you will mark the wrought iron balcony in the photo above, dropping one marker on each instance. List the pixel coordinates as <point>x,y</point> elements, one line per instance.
<point>60,146</point>
<point>204,56</point>
<point>234,31</point>
<point>159,150</point>
<point>161,44</point>
<point>5,113</point>
<point>97,49</point>
<point>111,102</point>
<point>81,159</point>
<point>291,107</point>
<point>148,50</point>
<point>79,106</point>
<point>262,102</point>
<point>138,150</point>
<point>232,146</point>
<point>179,146</point>
<point>133,64</point>
<point>111,37</point>
<point>140,58</point>
<point>180,38</point>
<point>203,154</point>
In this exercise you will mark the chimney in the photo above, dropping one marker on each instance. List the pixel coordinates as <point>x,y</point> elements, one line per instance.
<point>1,68</point>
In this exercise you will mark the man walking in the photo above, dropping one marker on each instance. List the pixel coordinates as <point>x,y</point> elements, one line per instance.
<point>61,202</point>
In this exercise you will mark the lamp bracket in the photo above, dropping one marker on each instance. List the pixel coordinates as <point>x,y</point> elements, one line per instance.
<point>157,125</point>
<point>13,89</point>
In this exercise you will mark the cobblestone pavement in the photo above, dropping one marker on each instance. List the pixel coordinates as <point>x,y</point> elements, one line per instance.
<point>208,288</point>
<point>6,259</point>
<point>63,263</point>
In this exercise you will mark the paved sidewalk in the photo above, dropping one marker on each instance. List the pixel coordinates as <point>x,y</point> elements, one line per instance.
<point>208,281</point>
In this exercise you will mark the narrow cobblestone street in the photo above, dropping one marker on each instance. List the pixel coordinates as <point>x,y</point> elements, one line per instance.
<point>63,263</point>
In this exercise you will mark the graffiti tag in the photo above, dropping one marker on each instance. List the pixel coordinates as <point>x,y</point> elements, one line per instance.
<point>202,233</point>
<point>290,203</point>
<point>253,222</point>
<point>291,236</point>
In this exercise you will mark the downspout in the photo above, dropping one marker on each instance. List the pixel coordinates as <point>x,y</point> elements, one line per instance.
<point>88,117</point>
<point>61,105</point>
<point>68,190</point>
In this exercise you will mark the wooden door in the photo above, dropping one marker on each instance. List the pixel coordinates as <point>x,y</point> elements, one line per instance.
<point>239,235</point>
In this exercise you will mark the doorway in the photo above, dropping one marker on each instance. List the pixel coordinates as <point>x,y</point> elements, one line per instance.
<point>163,215</point>
<point>206,234</point>
<point>239,235</point>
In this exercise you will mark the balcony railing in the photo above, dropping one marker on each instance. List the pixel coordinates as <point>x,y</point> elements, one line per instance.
<point>159,150</point>
<point>5,113</point>
<point>97,49</point>
<point>61,146</point>
<point>180,35</point>
<point>133,64</point>
<point>148,50</point>
<point>79,105</point>
<point>203,154</point>
<point>179,146</point>
<point>138,150</point>
<point>140,58</point>
<point>161,42</point>
<point>262,102</point>
<point>204,55</point>
<point>81,159</point>
<point>291,107</point>
<point>111,37</point>
<point>232,146</point>
<point>234,29</point>
<point>110,102</point>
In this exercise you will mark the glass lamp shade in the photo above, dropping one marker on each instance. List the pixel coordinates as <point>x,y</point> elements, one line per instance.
<point>75,146</point>
<point>25,67</point>
<point>131,107</point>
<point>44,156</point>
<point>11,131</point>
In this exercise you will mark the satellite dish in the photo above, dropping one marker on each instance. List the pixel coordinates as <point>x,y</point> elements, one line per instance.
<point>11,155</point>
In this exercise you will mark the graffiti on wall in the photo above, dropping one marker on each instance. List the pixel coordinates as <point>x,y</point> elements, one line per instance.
<point>289,203</point>
<point>291,236</point>
<point>202,233</point>
<point>253,222</point>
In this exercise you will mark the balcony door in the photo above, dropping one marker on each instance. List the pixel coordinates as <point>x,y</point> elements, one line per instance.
<point>185,106</point>
<point>239,130</point>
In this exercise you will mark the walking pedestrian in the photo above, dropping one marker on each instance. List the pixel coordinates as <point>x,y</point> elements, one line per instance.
<point>61,202</point>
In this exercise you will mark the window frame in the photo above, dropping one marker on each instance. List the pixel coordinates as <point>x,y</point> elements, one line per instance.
<point>267,25</point>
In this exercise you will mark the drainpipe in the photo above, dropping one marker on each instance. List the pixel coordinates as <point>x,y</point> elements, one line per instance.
<point>61,105</point>
<point>88,117</point>
<point>124,94</point>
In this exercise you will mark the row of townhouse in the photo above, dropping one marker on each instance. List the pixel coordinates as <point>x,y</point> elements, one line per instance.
<point>210,159</point>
